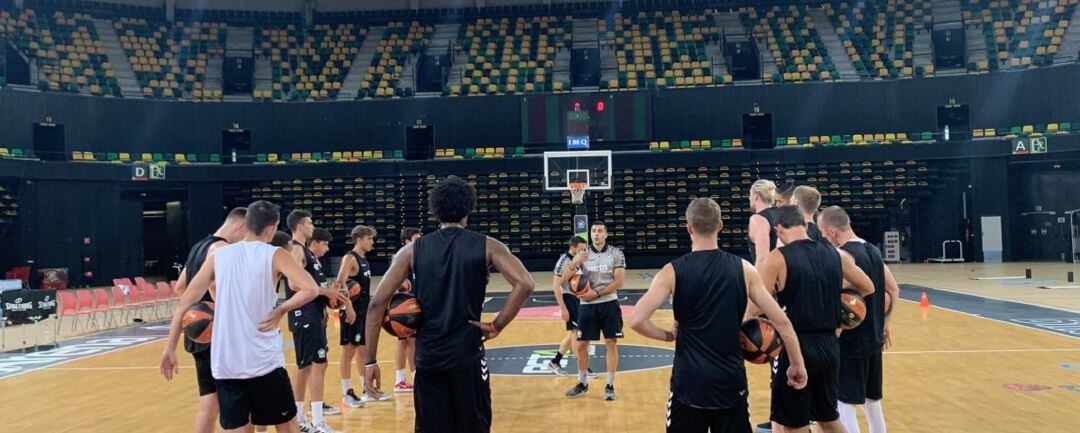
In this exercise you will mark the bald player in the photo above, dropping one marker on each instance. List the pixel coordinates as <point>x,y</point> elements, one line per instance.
<point>860,348</point>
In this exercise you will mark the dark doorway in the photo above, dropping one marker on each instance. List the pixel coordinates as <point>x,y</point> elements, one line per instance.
<point>164,231</point>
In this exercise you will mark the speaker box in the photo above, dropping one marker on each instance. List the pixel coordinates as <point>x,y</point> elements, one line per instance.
<point>956,116</point>
<point>758,131</point>
<point>49,142</point>
<point>419,143</point>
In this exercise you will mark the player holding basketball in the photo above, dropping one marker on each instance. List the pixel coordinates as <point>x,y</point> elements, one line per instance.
<point>860,348</point>
<point>406,347</point>
<point>708,288</point>
<point>308,325</point>
<point>807,276</point>
<point>247,360</point>
<point>354,266</point>
<point>605,267</point>
<point>231,231</point>
<point>808,199</point>
<point>568,303</point>
<point>453,392</point>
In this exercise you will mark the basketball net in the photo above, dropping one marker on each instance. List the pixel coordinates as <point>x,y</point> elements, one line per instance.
<point>577,192</point>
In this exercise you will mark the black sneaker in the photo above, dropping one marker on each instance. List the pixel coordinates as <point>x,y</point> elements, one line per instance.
<point>590,374</point>
<point>765,427</point>
<point>578,390</point>
<point>609,392</point>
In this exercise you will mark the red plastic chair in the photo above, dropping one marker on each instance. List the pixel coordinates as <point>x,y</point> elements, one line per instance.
<point>86,306</point>
<point>164,296</point>
<point>102,305</point>
<point>68,307</point>
<point>119,304</point>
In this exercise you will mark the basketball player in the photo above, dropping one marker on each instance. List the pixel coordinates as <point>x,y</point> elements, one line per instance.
<point>808,199</point>
<point>308,326</point>
<point>568,303</point>
<point>453,393</point>
<point>807,276</point>
<point>708,289</point>
<point>282,240</point>
<point>354,266</point>
<point>783,196</point>
<point>248,362</point>
<point>860,348</point>
<point>605,267</point>
<point>406,347</point>
<point>760,233</point>
<point>231,231</point>
<point>762,239</point>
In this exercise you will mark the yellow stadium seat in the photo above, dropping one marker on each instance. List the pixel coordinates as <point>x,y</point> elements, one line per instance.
<point>146,157</point>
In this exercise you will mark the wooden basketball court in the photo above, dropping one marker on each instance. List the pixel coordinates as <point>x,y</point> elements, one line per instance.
<point>948,371</point>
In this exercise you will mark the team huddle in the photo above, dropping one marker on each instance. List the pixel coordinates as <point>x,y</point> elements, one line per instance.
<point>801,259</point>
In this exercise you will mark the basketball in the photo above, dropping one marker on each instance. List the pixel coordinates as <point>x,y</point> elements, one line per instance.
<point>198,322</point>
<point>579,285</point>
<point>403,316</point>
<point>353,288</point>
<point>760,341</point>
<point>852,309</point>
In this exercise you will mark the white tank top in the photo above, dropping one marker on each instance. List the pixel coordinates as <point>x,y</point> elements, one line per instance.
<point>245,296</point>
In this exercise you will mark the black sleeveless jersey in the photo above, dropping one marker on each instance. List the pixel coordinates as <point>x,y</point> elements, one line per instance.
<point>451,271</point>
<point>769,214</point>
<point>811,293</point>
<point>195,259</point>
<point>362,276</point>
<point>313,311</point>
<point>709,303</point>
<point>867,338</point>
<point>814,233</point>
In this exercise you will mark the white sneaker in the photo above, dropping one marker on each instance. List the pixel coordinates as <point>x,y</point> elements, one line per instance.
<point>305,426</point>
<point>382,396</point>
<point>330,410</point>
<point>322,428</point>
<point>351,400</point>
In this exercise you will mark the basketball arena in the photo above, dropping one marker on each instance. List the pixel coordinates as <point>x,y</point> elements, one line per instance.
<point>471,216</point>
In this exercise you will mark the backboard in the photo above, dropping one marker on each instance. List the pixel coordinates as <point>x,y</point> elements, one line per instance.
<point>592,167</point>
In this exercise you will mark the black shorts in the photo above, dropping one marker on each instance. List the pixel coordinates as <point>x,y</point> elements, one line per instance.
<point>572,307</point>
<point>263,400</point>
<point>593,318</point>
<point>354,333</point>
<point>687,419</point>
<point>817,402</point>
<point>309,342</point>
<point>203,375</point>
<point>860,379</point>
<point>453,401</point>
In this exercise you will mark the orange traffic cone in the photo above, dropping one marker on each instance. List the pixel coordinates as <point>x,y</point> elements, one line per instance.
<point>924,301</point>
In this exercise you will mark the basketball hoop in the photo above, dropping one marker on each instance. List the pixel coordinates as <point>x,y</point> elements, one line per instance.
<point>577,192</point>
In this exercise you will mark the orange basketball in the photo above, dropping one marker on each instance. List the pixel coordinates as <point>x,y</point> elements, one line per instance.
<point>852,309</point>
<point>403,316</point>
<point>760,341</point>
<point>198,322</point>
<point>579,285</point>
<point>353,288</point>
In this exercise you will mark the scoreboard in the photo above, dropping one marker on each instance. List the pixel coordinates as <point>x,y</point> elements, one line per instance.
<point>612,117</point>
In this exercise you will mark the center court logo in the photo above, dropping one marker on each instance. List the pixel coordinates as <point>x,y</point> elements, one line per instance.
<point>532,360</point>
